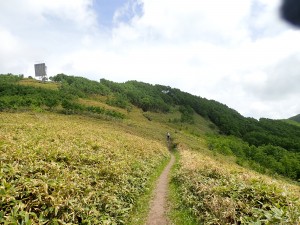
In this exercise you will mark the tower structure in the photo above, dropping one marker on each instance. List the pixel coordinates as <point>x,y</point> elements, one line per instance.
<point>41,71</point>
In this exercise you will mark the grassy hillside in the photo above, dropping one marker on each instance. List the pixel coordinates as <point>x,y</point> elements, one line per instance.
<point>34,83</point>
<point>295,118</point>
<point>293,122</point>
<point>180,110</point>
<point>216,191</point>
<point>76,151</point>
<point>72,168</point>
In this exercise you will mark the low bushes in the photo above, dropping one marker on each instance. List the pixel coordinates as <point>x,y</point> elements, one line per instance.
<point>220,193</point>
<point>68,170</point>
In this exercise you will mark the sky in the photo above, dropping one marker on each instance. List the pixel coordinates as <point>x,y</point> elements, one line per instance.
<point>239,53</point>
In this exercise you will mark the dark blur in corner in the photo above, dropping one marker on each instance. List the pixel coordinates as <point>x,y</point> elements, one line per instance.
<point>290,11</point>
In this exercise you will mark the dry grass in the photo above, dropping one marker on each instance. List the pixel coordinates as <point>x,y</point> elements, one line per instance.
<point>71,169</point>
<point>218,192</point>
<point>39,84</point>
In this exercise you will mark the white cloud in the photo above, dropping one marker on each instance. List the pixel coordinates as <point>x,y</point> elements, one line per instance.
<point>8,42</point>
<point>42,30</point>
<point>194,19</point>
<point>237,52</point>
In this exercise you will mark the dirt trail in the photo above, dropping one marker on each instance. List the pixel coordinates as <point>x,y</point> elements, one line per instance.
<point>158,208</point>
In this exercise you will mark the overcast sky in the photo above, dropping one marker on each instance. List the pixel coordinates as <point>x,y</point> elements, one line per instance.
<point>238,52</point>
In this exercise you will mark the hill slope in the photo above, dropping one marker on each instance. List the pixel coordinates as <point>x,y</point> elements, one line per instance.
<point>68,144</point>
<point>72,169</point>
<point>295,118</point>
<point>217,191</point>
<point>275,140</point>
<point>158,98</point>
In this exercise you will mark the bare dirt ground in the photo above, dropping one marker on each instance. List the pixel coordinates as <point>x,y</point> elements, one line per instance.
<point>158,208</point>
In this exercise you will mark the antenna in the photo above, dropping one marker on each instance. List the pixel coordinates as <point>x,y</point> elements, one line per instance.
<point>41,71</point>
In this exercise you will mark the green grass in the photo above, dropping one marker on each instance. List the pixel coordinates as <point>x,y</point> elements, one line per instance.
<point>220,192</point>
<point>200,126</point>
<point>36,83</point>
<point>141,210</point>
<point>60,169</point>
<point>67,169</point>
<point>292,122</point>
<point>178,213</point>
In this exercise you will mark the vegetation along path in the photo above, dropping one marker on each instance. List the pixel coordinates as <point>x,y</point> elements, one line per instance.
<point>158,208</point>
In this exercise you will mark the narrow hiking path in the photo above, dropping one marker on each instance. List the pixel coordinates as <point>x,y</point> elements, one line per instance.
<point>158,208</point>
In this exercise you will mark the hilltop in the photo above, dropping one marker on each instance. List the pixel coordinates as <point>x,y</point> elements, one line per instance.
<point>75,140</point>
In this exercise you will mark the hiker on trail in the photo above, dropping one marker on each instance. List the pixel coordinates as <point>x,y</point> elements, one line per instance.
<point>168,136</point>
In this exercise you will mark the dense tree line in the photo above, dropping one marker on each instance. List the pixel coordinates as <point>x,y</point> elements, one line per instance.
<point>186,114</point>
<point>14,96</point>
<point>71,107</point>
<point>265,158</point>
<point>79,86</point>
<point>145,96</point>
<point>230,122</point>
